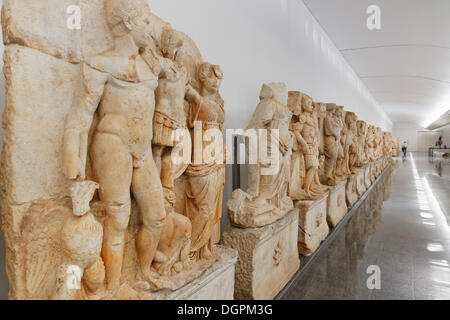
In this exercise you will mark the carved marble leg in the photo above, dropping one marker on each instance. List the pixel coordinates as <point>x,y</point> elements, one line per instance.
<point>114,228</point>
<point>330,161</point>
<point>148,192</point>
<point>170,170</point>
<point>157,152</point>
<point>114,176</point>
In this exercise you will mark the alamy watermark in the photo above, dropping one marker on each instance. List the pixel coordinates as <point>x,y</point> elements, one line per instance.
<point>74,20</point>
<point>374,280</point>
<point>200,146</point>
<point>73,279</point>
<point>374,19</point>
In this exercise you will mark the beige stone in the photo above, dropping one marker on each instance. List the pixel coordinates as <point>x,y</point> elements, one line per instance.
<point>360,181</point>
<point>362,158</point>
<point>32,156</point>
<point>305,183</point>
<point>367,175</point>
<point>351,191</point>
<point>396,147</point>
<point>217,283</point>
<point>83,112</point>
<point>332,129</point>
<point>312,224</point>
<point>337,206</point>
<point>266,199</point>
<point>370,144</point>
<point>268,257</point>
<point>342,170</point>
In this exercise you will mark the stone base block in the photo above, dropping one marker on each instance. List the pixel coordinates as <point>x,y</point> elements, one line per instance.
<point>378,167</point>
<point>350,190</point>
<point>217,283</point>
<point>268,257</point>
<point>337,206</point>
<point>373,172</point>
<point>312,224</point>
<point>361,182</point>
<point>367,176</point>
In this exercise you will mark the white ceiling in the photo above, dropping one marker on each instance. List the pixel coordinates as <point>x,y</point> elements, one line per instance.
<point>406,64</point>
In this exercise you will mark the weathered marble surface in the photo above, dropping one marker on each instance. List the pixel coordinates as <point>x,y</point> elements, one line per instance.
<point>367,175</point>
<point>333,126</point>
<point>60,87</point>
<point>266,199</point>
<point>268,257</point>
<point>360,181</point>
<point>337,206</point>
<point>351,192</point>
<point>217,283</point>
<point>312,224</point>
<point>305,127</point>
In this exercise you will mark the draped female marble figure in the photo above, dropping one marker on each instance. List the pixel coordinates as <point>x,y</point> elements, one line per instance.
<point>206,178</point>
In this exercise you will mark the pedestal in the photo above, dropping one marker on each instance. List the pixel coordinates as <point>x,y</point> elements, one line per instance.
<point>268,257</point>
<point>367,175</point>
<point>361,182</point>
<point>312,224</point>
<point>337,206</point>
<point>378,167</point>
<point>350,190</point>
<point>373,172</point>
<point>217,283</point>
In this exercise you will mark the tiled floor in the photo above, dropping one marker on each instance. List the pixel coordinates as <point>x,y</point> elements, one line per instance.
<point>402,228</point>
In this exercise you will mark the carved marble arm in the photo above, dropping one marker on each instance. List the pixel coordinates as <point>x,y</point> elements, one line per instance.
<point>332,127</point>
<point>192,95</point>
<point>78,122</point>
<point>298,127</point>
<point>153,60</point>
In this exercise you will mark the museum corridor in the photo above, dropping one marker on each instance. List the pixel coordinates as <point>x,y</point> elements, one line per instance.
<point>402,228</point>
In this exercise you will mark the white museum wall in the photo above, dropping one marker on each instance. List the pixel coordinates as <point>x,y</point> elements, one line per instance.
<point>419,139</point>
<point>446,135</point>
<point>407,131</point>
<point>259,41</point>
<point>427,139</point>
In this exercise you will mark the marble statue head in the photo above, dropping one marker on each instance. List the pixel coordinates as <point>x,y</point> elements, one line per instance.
<point>362,126</point>
<point>171,41</point>
<point>276,90</point>
<point>331,108</point>
<point>321,109</point>
<point>350,120</point>
<point>129,17</point>
<point>339,112</point>
<point>308,103</point>
<point>210,76</point>
<point>295,102</point>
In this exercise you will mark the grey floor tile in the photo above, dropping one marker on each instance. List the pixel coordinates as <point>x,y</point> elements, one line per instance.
<point>408,238</point>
